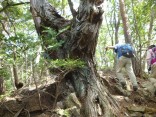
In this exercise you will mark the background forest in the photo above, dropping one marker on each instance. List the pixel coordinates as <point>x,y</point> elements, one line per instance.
<point>57,54</point>
<point>21,50</point>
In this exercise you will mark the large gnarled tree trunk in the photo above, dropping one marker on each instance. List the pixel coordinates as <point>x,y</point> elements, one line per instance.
<point>80,42</point>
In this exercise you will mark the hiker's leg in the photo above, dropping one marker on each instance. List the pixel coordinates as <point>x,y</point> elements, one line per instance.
<point>153,71</point>
<point>130,72</point>
<point>119,66</point>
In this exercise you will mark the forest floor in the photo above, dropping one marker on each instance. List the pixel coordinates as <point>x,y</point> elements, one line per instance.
<point>37,101</point>
<point>140,103</point>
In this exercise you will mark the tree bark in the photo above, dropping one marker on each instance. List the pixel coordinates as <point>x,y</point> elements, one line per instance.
<point>152,17</point>
<point>79,43</point>
<point>18,84</point>
<point>2,89</point>
<point>125,22</point>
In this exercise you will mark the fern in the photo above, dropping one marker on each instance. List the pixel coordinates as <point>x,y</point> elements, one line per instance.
<point>67,64</point>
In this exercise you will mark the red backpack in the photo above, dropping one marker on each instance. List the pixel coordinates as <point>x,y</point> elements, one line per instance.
<point>153,54</point>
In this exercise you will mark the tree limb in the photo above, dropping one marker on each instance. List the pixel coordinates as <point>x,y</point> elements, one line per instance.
<point>15,4</point>
<point>73,11</point>
<point>45,14</point>
<point>4,28</point>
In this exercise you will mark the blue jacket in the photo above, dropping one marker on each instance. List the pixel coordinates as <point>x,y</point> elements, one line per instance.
<point>116,49</point>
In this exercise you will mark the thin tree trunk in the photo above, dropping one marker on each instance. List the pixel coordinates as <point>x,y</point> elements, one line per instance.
<point>18,84</point>
<point>152,17</point>
<point>138,37</point>
<point>116,25</point>
<point>128,39</point>
<point>79,43</point>
<point>2,89</point>
<point>26,68</point>
<point>151,24</point>
<point>125,22</point>
<point>12,77</point>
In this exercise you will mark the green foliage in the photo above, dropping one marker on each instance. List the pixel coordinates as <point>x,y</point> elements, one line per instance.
<point>50,40</point>
<point>20,39</point>
<point>59,4</point>
<point>8,86</point>
<point>104,58</point>
<point>67,64</point>
<point>64,29</point>
<point>7,94</point>
<point>4,73</point>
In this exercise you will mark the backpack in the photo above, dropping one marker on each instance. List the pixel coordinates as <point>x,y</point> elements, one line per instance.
<point>127,50</point>
<point>153,55</point>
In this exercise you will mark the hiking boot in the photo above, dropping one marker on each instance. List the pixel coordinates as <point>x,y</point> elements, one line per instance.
<point>123,84</point>
<point>135,88</point>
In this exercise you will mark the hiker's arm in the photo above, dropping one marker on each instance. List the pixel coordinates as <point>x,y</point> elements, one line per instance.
<point>110,47</point>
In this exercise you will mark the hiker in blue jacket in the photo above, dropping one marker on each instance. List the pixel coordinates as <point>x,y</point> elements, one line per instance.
<point>124,62</point>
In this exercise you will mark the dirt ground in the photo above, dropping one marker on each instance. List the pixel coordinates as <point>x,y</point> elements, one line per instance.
<point>133,103</point>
